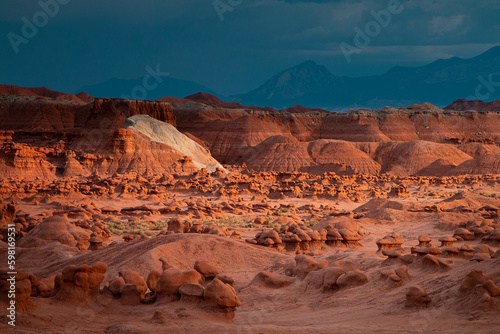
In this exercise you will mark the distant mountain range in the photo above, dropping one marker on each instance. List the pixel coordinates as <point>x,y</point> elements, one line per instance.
<point>440,83</point>
<point>312,85</point>
<point>152,89</point>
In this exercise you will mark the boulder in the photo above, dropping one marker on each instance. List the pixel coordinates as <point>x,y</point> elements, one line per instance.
<point>393,254</point>
<point>176,226</point>
<point>417,297</point>
<point>473,278</point>
<point>463,234</point>
<point>433,262</point>
<point>492,289</point>
<point>131,277</point>
<point>206,269</point>
<point>152,279</point>
<point>225,278</point>
<point>115,285</point>
<point>191,292</point>
<point>303,265</point>
<point>55,229</point>
<point>172,279</point>
<point>351,279</point>
<point>271,280</point>
<point>325,278</point>
<point>219,294</point>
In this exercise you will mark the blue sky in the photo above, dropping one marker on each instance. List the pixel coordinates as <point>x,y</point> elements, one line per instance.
<point>88,42</point>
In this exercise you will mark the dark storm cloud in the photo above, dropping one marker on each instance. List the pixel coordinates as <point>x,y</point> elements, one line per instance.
<point>88,42</point>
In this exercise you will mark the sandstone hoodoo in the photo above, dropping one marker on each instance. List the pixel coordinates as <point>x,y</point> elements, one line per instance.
<point>79,285</point>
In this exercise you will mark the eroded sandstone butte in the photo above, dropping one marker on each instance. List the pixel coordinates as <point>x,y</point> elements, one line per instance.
<point>43,137</point>
<point>420,139</point>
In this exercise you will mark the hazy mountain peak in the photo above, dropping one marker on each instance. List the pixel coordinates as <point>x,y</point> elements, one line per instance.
<point>308,67</point>
<point>303,80</point>
<point>440,82</point>
<point>493,52</point>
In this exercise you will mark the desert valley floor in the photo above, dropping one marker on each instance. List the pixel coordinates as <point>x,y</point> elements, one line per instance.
<point>198,216</point>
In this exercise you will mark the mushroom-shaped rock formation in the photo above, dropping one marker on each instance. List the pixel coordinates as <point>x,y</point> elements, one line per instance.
<point>463,234</point>
<point>423,240</point>
<point>466,251</point>
<point>22,286</point>
<point>350,237</point>
<point>222,296</point>
<point>447,241</point>
<point>79,285</point>
<point>96,243</point>
<point>450,252</point>
<point>421,251</point>
<point>333,237</point>
<point>389,242</point>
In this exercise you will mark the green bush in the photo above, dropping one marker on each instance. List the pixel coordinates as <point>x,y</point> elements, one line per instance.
<point>158,226</point>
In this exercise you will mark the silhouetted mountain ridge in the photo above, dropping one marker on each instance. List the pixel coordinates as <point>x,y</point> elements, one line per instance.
<point>440,82</point>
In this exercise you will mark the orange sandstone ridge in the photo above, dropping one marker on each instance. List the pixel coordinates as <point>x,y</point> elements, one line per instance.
<point>417,140</point>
